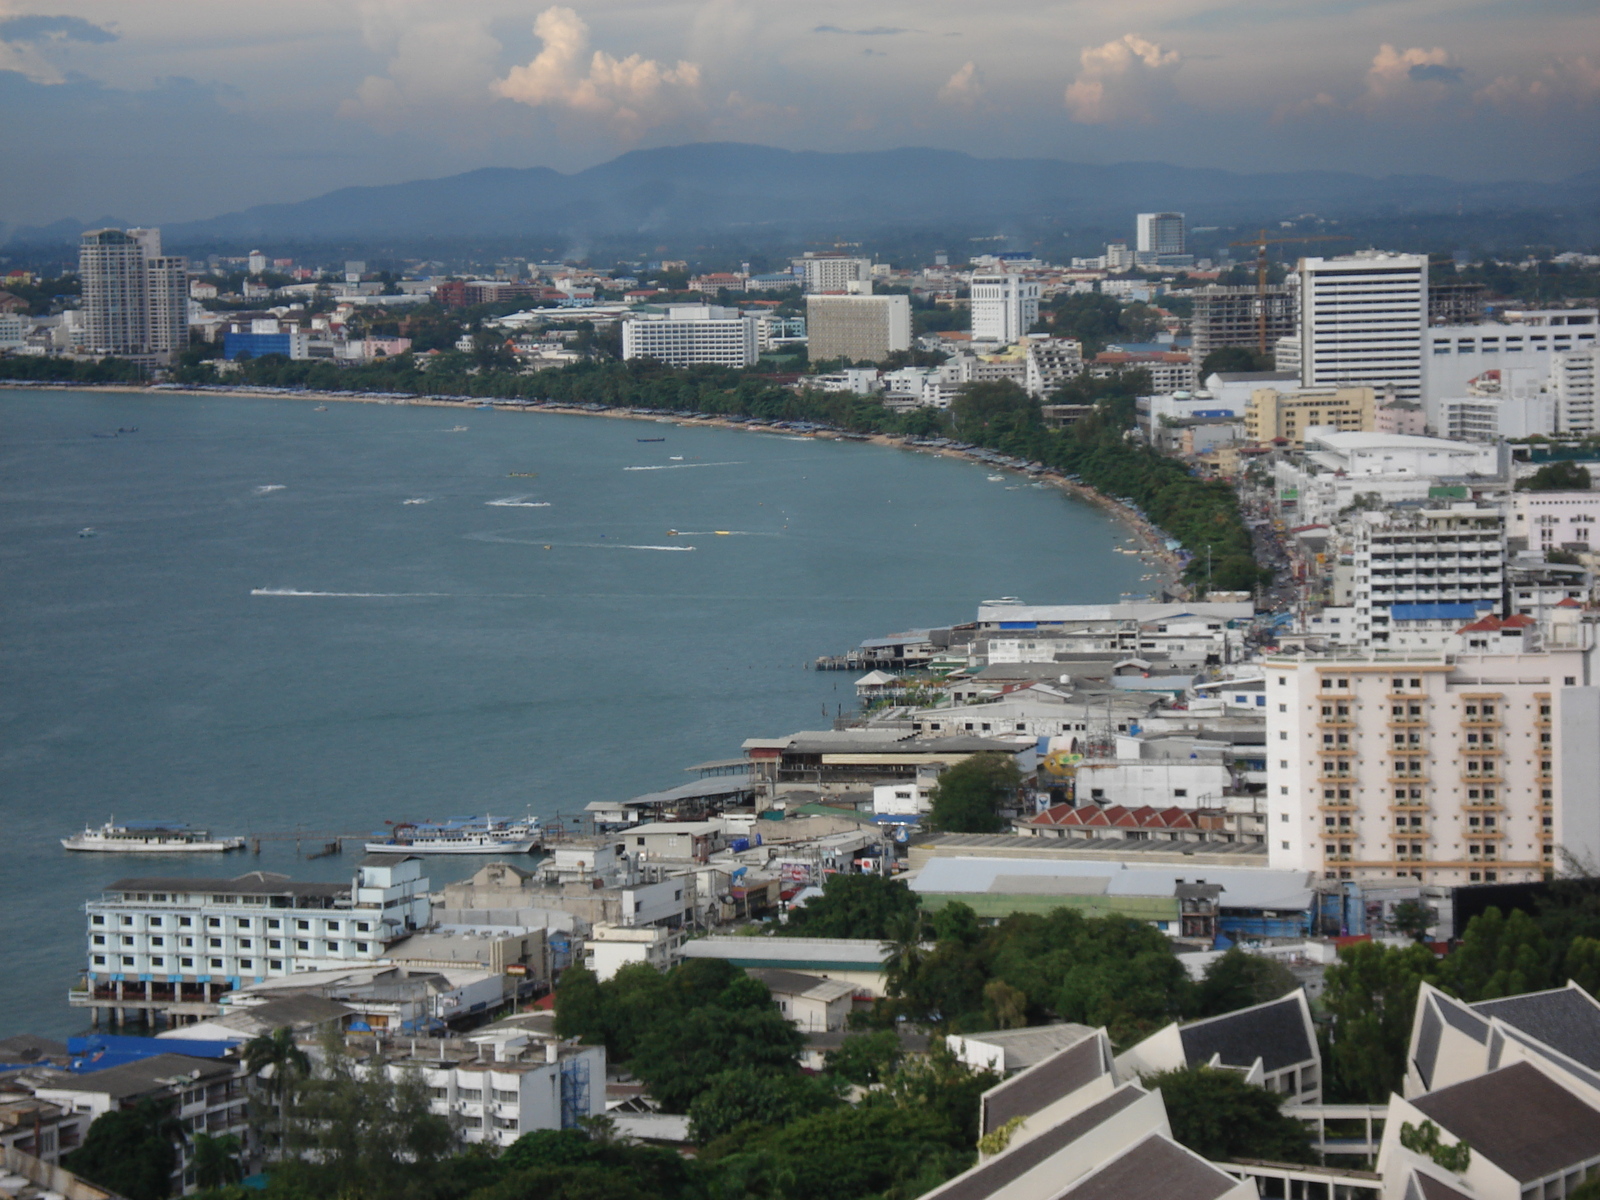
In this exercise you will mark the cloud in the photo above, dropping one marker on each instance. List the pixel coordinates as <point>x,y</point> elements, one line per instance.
<point>1122,80</point>
<point>964,89</point>
<point>1574,81</point>
<point>875,31</point>
<point>633,93</point>
<point>434,64</point>
<point>39,28</point>
<point>1406,74</point>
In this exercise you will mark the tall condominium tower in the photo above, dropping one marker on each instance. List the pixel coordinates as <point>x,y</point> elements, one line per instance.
<point>1159,233</point>
<point>135,299</point>
<point>1004,307</point>
<point>1362,321</point>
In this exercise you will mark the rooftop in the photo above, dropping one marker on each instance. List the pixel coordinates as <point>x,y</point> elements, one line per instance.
<point>1565,1019</point>
<point>146,1075</point>
<point>1046,1081</point>
<point>797,983</point>
<point>252,883</point>
<point>1023,1048</point>
<point>1519,1119</point>
<point>1155,1169</point>
<point>1242,888</point>
<point>1275,1032</point>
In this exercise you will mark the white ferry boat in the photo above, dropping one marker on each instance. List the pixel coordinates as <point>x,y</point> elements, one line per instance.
<point>461,835</point>
<point>150,837</point>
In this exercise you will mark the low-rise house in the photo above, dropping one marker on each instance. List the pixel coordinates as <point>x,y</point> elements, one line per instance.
<point>812,1003</point>
<point>609,948</point>
<point>1008,1051</point>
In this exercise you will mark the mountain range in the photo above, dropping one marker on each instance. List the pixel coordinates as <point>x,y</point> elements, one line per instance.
<point>723,186</point>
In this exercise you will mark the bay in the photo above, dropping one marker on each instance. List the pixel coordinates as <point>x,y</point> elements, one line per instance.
<point>291,619</point>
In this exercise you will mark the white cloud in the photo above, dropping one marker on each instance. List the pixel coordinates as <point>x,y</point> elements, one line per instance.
<point>1572,80</point>
<point>1122,80</point>
<point>433,64</point>
<point>1411,75</point>
<point>964,89</point>
<point>633,93</point>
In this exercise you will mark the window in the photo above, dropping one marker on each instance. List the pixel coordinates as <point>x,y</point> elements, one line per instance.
<point>333,947</point>
<point>505,1097</point>
<point>302,924</point>
<point>214,943</point>
<point>99,939</point>
<point>127,941</point>
<point>241,922</point>
<point>158,941</point>
<point>213,922</point>
<point>155,922</point>
<point>186,963</point>
<point>469,1094</point>
<point>185,922</point>
<point>246,964</point>
<point>274,944</point>
<point>216,964</point>
<point>333,927</point>
<point>361,947</point>
<point>100,959</point>
<point>274,923</point>
<point>302,945</point>
<point>363,927</point>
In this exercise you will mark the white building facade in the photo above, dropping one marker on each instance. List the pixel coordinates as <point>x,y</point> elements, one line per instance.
<point>1524,342</point>
<point>1453,555</point>
<point>692,334</point>
<point>1004,308</point>
<point>1555,520</point>
<point>1362,322</point>
<point>135,299</point>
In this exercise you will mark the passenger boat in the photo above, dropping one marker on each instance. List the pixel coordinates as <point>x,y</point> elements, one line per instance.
<point>150,837</point>
<point>460,835</point>
<point>649,439</point>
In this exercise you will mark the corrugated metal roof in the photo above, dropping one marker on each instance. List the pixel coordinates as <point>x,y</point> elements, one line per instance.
<point>1247,888</point>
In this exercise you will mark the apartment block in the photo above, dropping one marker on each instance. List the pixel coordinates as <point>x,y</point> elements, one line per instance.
<point>135,299</point>
<point>691,334</point>
<point>858,328</point>
<point>1555,520</point>
<point>1159,233</point>
<point>1446,768</point>
<point>1273,414</point>
<point>1416,555</point>
<point>175,944</point>
<point>1362,322</point>
<point>1051,363</point>
<point>834,273</point>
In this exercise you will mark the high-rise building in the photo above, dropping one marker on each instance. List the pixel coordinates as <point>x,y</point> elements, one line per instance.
<point>691,334</point>
<point>834,273</point>
<point>135,299</point>
<point>1004,307</point>
<point>1159,233</point>
<point>1363,319</point>
<point>858,328</point>
<point>1442,555</point>
<point>1477,767</point>
<point>1572,379</point>
<point>1231,316</point>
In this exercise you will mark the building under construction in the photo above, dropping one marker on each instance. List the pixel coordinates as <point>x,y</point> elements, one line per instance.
<point>1231,316</point>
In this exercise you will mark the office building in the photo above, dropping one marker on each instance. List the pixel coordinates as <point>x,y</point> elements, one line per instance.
<point>834,273</point>
<point>135,299</point>
<point>1232,316</point>
<point>160,944</point>
<point>1555,520</point>
<point>1536,345</point>
<point>1488,418</point>
<point>1421,555</point>
<point>1159,233</point>
<point>1273,414</point>
<point>1004,308</point>
<point>858,328</point>
<point>263,336</point>
<point>691,334</point>
<point>1363,320</point>
<point>1477,767</point>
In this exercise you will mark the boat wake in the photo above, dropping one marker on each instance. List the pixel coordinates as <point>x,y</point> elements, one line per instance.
<point>269,487</point>
<point>517,502</point>
<point>342,595</point>
<point>418,500</point>
<point>681,466</point>
<point>521,541</point>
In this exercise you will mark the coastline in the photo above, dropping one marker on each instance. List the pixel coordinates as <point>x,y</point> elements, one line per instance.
<point>1151,544</point>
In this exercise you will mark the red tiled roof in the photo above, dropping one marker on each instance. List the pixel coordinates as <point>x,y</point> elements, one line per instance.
<point>1568,602</point>
<point>1488,624</point>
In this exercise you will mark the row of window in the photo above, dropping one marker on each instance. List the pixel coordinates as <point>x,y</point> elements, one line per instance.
<point>187,943</point>
<point>153,921</point>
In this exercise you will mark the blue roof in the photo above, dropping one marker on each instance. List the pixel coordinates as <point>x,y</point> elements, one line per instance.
<point>1438,612</point>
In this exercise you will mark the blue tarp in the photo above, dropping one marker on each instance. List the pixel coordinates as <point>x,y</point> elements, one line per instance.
<point>1438,612</point>
<point>101,1050</point>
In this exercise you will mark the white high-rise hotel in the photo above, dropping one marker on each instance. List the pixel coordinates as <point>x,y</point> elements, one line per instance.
<point>1004,307</point>
<point>1363,319</point>
<point>135,299</point>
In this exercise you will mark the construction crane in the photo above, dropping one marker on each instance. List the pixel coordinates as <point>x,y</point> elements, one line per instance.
<point>1261,241</point>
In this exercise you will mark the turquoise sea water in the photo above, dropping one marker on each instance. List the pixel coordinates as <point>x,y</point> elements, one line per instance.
<point>469,652</point>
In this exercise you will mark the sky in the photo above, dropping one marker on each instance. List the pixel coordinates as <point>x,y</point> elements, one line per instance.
<point>179,109</point>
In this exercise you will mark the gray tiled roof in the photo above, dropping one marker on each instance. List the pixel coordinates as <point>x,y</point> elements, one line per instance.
<point>1155,1169</point>
<point>1275,1033</point>
<point>146,1075</point>
<point>1519,1119</point>
<point>1043,1083</point>
<point>1565,1020</point>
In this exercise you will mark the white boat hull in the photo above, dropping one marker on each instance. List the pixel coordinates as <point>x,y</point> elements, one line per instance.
<point>133,846</point>
<point>522,846</point>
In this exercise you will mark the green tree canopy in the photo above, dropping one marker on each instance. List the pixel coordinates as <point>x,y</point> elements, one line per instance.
<point>1499,956</point>
<point>866,1058</point>
<point>968,795</point>
<point>852,906</point>
<point>1371,994</point>
<point>131,1151</point>
<point>1219,1116</point>
<point>750,1096</point>
<point>677,1059</point>
<point>1234,358</point>
<point>1560,476</point>
<point>1238,980</point>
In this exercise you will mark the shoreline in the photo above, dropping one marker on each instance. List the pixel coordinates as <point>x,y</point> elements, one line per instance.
<point>1152,548</point>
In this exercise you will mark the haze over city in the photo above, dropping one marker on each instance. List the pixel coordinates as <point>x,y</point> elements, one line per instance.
<point>180,110</point>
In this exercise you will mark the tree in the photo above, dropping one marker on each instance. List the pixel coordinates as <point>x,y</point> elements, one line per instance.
<point>1371,994</point>
<point>750,1096</point>
<point>1583,964</point>
<point>677,1059</point>
<point>1414,918</point>
<point>866,1058</point>
<point>1238,980</point>
<point>131,1151</point>
<point>278,1061</point>
<point>1499,956</point>
<point>1560,476</point>
<point>1219,1116</point>
<point>216,1160</point>
<point>580,1006</point>
<point>939,1083</point>
<point>1004,1007</point>
<point>852,906</point>
<point>968,795</point>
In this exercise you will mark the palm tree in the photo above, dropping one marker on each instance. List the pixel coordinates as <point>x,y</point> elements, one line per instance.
<point>903,950</point>
<point>275,1058</point>
<point>216,1160</point>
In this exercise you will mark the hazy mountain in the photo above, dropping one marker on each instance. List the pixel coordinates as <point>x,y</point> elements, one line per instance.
<point>725,186</point>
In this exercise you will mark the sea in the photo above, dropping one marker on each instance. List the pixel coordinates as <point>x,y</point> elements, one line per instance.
<point>262,616</point>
